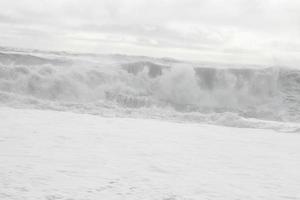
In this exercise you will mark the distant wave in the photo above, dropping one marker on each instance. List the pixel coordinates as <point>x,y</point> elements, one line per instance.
<point>147,86</point>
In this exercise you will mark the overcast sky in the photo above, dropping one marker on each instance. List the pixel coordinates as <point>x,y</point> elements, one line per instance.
<point>248,31</point>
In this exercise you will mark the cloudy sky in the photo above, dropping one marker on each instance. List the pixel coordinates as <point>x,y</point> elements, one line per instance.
<point>247,31</point>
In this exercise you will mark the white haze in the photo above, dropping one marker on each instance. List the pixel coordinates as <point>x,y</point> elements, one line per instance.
<point>242,31</point>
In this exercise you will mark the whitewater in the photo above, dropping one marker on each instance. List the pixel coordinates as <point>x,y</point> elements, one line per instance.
<point>144,87</point>
<point>117,127</point>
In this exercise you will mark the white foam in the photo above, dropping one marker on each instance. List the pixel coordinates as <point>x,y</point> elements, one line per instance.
<point>136,84</point>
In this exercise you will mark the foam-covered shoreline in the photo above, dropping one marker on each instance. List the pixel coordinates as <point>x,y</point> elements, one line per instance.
<point>62,155</point>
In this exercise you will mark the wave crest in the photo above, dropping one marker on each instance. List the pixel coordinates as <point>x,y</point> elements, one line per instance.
<point>263,93</point>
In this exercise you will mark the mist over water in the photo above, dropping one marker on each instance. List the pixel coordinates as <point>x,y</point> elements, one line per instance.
<point>119,85</point>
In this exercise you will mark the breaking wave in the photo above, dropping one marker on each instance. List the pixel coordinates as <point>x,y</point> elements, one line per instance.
<point>164,88</point>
